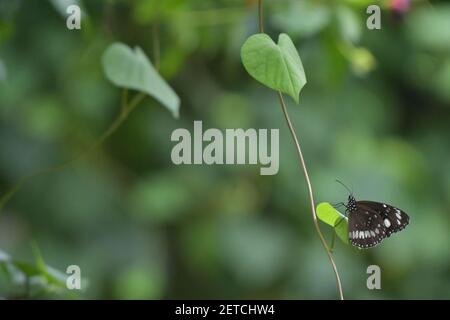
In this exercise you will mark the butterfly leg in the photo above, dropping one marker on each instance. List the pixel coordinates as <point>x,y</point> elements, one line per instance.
<point>338,205</point>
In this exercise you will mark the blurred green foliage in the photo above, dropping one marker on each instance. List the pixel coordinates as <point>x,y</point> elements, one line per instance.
<point>23,280</point>
<point>375,113</point>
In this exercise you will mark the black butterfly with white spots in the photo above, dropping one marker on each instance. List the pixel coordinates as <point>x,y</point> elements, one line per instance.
<point>370,222</point>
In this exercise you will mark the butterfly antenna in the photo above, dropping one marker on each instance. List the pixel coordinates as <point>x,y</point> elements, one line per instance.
<point>340,182</point>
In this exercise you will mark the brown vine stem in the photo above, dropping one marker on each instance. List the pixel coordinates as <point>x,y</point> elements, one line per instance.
<point>260,16</point>
<point>305,171</point>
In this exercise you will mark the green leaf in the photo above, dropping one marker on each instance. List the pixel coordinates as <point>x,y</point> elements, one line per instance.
<point>40,263</point>
<point>53,276</point>
<point>278,66</point>
<point>44,280</point>
<point>328,214</point>
<point>132,69</point>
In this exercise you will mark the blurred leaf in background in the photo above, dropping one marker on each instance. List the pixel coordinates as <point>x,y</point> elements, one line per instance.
<point>27,281</point>
<point>131,69</point>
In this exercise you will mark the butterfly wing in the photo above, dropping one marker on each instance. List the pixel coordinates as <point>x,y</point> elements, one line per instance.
<point>366,228</point>
<point>394,219</point>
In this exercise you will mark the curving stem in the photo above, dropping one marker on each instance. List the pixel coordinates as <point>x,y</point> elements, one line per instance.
<point>305,170</point>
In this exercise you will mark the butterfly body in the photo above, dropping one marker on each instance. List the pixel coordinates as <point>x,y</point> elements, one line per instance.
<point>370,222</point>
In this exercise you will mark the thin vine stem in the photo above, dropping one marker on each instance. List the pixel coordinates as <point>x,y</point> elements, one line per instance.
<point>125,110</point>
<point>305,170</point>
<point>311,195</point>
<point>260,16</point>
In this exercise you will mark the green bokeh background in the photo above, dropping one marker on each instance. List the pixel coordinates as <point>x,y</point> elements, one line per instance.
<point>375,113</point>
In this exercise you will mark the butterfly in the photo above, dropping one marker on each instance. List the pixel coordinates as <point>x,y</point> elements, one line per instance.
<point>370,222</point>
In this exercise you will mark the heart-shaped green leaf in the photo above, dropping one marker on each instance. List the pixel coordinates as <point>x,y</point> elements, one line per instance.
<point>278,66</point>
<point>132,69</point>
<point>328,214</point>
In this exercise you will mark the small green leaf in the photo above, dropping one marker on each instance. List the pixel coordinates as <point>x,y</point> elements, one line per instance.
<point>132,69</point>
<point>40,263</point>
<point>328,214</point>
<point>53,276</point>
<point>43,279</point>
<point>277,66</point>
